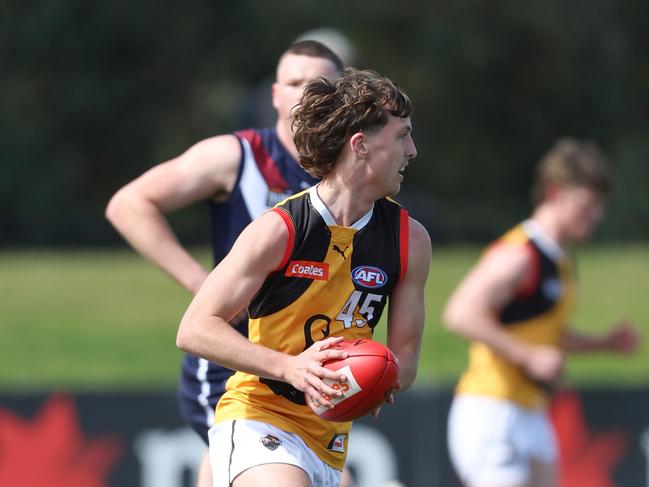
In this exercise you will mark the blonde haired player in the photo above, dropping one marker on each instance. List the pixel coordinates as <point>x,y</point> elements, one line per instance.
<point>515,306</point>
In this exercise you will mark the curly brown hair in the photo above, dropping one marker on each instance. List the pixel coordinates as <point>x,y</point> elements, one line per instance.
<point>571,162</point>
<point>331,111</point>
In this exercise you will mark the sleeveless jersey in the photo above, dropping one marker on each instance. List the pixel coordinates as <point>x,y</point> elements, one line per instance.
<point>268,173</point>
<point>536,315</point>
<point>333,281</point>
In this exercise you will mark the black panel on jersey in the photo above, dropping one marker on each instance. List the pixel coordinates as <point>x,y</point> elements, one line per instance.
<point>285,389</point>
<point>312,237</point>
<point>538,302</point>
<point>372,241</point>
<point>312,242</point>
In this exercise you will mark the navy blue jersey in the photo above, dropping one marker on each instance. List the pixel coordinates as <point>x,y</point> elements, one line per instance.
<point>268,173</point>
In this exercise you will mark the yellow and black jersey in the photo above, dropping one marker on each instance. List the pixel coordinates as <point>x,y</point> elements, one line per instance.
<point>537,315</point>
<point>333,281</point>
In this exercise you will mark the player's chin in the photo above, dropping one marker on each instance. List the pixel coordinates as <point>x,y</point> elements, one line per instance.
<point>581,233</point>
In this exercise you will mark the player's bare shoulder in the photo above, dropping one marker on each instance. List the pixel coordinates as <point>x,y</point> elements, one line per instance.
<point>216,159</point>
<point>267,235</point>
<point>513,256</point>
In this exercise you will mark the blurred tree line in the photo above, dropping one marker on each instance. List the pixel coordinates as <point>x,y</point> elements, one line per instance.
<point>93,93</point>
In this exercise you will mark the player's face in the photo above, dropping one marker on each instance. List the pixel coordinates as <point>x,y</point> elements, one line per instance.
<point>580,210</point>
<point>293,72</point>
<point>389,151</point>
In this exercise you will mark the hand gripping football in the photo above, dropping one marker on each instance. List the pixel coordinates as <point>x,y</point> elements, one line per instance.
<point>371,370</point>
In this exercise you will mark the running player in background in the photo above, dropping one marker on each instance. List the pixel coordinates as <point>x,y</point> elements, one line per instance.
<point>240,175</point>
<point>354,133</point>
<point>515,306</point>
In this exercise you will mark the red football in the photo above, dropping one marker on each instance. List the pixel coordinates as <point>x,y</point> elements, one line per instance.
<point>371,370</point>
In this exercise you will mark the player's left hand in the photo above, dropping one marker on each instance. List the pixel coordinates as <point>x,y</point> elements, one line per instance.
<point>389,398</point>
<point>623,337</point>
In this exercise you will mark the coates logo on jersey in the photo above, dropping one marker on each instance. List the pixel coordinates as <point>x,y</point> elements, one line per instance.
<point>369,276</point>
<point>307,269</point>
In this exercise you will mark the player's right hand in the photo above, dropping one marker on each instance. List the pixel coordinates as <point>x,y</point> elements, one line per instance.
<point>306,373</point>
<point>544,363</point>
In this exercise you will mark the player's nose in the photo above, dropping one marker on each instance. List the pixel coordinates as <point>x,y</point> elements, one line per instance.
<point>411,149</point>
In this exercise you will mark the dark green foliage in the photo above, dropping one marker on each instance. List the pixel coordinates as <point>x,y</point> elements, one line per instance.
<point>93,93</point>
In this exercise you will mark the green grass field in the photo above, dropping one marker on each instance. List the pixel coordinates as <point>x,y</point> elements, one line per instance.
<point>91,320</point>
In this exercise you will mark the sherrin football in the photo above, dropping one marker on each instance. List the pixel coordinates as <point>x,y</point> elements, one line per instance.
<point>371,370</point>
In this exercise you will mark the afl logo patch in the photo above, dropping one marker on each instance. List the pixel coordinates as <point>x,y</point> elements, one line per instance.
<point>369,276</point>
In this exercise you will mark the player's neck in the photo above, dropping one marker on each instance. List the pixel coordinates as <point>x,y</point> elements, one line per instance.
<point>285,136</point>
<point>345,204</point>
<point>549,222</point>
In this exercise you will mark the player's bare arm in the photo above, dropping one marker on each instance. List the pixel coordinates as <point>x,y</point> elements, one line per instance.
<point>472,310</point>
<point>205,329</point>
<point>206,170</point>
<point>406,310</point>
<point>623,337</point>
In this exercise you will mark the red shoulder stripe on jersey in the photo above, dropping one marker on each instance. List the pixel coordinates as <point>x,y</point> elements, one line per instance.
<point>533,275</point>
<point>291,236</point>
<point>531,281</point>
<point>403,241</point>
<point>265,163</point>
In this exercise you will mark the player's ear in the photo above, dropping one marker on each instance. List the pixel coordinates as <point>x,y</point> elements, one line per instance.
<point>358,144</point>
<point>551,192</point>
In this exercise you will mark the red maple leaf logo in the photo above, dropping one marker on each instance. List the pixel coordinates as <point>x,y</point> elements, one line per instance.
<point>586,457</point>
<point>51,450</point>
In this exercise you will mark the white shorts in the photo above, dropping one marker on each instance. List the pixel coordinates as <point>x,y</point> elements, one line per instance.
<point>492,441</point>
<point>236,446</point>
